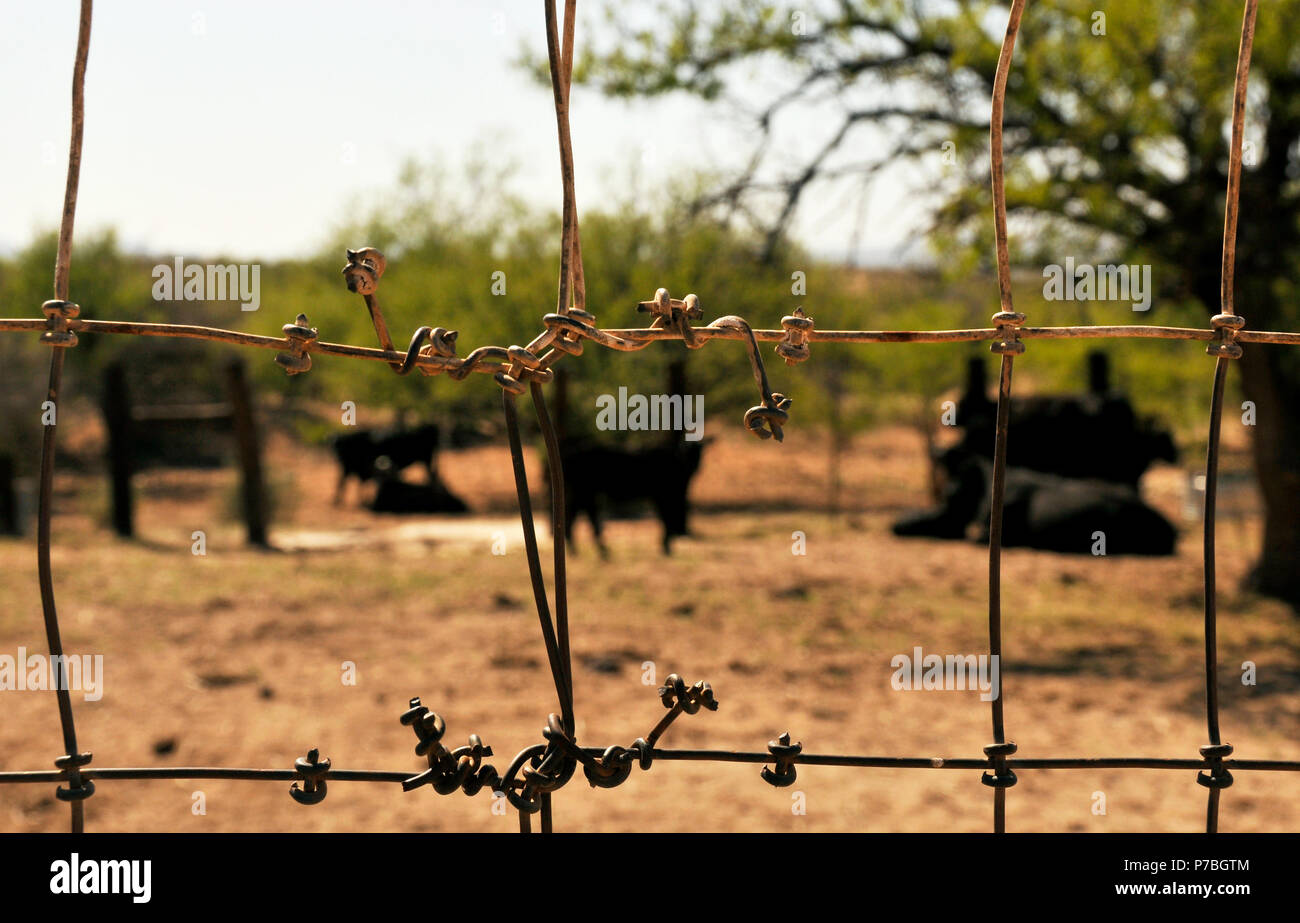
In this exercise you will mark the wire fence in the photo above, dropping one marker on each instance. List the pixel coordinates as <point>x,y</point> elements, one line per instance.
<point>537,771</point>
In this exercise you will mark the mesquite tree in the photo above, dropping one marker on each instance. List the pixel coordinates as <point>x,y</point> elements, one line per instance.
<point>1117,128</point>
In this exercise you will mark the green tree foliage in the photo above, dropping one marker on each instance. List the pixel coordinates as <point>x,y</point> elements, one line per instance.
<point>446,237</point>
<point>1117,121</point>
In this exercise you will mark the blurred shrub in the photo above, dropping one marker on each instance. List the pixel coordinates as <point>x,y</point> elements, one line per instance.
<point>446,237</point>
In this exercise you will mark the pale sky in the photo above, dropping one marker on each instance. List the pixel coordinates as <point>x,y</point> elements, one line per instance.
<point>245,129</point>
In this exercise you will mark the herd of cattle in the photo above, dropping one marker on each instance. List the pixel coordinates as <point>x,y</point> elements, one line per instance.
<point>1074,463</point>
<point>381,456</point>
<point>597,477</point>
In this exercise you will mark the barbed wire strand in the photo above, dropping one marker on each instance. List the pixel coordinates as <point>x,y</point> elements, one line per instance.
<point>560,61</point>
<point>491,359</point>
<point>1225,350</point>
<point>1000,778</point>
<point>60,309</point>
<point>835,760</point>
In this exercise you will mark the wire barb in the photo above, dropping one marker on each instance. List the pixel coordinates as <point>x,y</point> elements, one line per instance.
<point>313,770</point>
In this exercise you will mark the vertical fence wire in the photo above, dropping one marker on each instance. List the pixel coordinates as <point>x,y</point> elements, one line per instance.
<point>78,789</point>
<point>1224,349</point>
<point>1001,777</point>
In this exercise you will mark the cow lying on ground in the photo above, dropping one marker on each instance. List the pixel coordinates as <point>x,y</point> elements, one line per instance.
<point>1085,436</point>
<point>1095,434</point>
<point>1042,511</point>
<point>397,496</point>
<point>359,454</point>
<point>598,476</point>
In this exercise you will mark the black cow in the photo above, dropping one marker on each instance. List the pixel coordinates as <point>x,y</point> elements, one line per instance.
<point>1065,514</point>
<point>1086,436</point>
<point>397,496</point>
<point>596,475</point>
<point>1042,511</point>
<point>1073,467</point>
<point>1093,435</point>
<point>370,454</point>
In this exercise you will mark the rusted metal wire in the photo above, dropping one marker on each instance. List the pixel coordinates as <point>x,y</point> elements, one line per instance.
<point>1008,345</point>
<point>996,154</point>
<point>1226,324</point>
<point>561,64</point>
<point>58,312</point>
<point>491,359</point>
<point>541,769</point>
<point>1233,201</point>
<point>839,760</point>
<point>556,653</point>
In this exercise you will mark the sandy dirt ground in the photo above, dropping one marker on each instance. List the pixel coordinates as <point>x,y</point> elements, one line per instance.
<point>236,657</point>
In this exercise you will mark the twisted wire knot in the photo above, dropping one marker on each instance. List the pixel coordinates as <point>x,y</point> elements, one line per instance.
<point>1225,345</point>
<point>301,337</point>
<point>525,800</point>
<point>765,420</point>
<point>1218,776</point>
<point>611,769</point>
<point>449,770</point>
<point>794,348</point>
<point>608,770</point>
<point>1002,775</point>
<point>58,331</point>
<point>569,341</point>
<point>570,329</point>
<point>80,789</point>
<point>674,313</point>
<point>313,770</point>
<point>524,367</point>
<point>561,757</point>
<point>644,753</point>
<point>463,769</point>
<point>442,344</point>
<point>365,268</point>
<point>550,767</point>
<point>785,753</point>
<point>674,692</point>
<point>1008,342</point>
<point>478,775</point>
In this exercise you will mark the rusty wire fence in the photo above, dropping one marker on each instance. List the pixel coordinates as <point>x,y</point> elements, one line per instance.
<point>542,768</point>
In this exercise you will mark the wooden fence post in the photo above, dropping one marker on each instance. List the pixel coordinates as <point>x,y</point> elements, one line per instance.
<point>9,524</point>
<point>117,418</point>
<point>252,487</point>
<point>1098,373</point>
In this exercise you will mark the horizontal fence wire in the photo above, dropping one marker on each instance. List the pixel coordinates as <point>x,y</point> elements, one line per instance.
<point>541,769</point>
<point>145,773</point>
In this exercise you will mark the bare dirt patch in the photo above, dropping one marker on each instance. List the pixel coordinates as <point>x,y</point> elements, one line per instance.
<point>235,658</point>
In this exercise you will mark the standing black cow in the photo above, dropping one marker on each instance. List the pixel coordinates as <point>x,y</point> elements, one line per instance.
<point>371,454</point>
<point>597,475</point>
